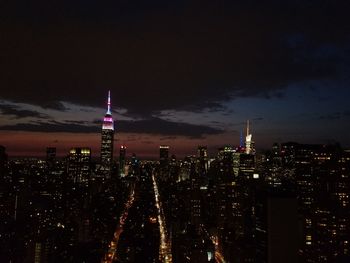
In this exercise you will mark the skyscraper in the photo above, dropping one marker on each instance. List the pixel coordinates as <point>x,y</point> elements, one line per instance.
<point>107,140</point>
<point>3,160</point>
<point>122,154</point>
<point>163,155</point>
<point>202,155</point>
<point>50,156</point>
<point>79,165</point>
<point>249,144</point>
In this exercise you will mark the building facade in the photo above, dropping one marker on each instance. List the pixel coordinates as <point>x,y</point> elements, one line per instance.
<point>107,141</point>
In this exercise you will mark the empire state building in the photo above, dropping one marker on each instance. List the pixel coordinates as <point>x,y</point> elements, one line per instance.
<point>107,140</point>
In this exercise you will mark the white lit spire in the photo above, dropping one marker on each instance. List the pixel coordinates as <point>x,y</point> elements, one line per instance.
<point>109,103</point>
<point>248,140</point>
<point>247,127</point>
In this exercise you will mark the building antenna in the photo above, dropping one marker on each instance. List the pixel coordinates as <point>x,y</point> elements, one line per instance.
<point>247,127</point>
<point>241,139</point>
<point>109,103</point>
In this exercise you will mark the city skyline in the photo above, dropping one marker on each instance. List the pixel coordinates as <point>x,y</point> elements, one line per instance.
<point>148,148</point>
<point>189,131</point>
<point>193,79</point>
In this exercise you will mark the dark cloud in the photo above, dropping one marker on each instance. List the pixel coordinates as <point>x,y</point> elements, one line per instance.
<point>151,126</point>
<point>331,116</point>
<point>335,116</point>
<point>163,127</point>
<point>97,121</point>
<point>212,106</point>
<point>161,55</point>
<point>54,105</point>
<point>51,127</point>
<point>12,110</point>
<point>77,122</point>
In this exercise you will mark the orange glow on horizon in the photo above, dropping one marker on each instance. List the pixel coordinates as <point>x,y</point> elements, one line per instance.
<point>19,143</point>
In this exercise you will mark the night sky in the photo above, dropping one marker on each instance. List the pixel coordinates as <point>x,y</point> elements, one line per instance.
<point>181,73</point>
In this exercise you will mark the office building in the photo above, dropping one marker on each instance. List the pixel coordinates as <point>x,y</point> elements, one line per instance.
<point>249,143</point>
<point>50,156</point>
<point>163,155</point>
<point>79,165</point>
<point>202,155</point>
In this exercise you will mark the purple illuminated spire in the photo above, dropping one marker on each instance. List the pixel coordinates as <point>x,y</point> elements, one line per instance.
<point>108,120</point>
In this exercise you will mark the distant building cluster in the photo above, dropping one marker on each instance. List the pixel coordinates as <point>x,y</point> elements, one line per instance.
<point>289,204</point>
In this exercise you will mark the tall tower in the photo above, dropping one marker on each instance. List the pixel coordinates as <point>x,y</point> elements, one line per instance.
<point>107,141</point>
<point>249,144</point>
<point>202,154</point>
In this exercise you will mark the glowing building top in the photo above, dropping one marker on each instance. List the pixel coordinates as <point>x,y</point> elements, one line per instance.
<point>248,140</point>
<point>108,123</point>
